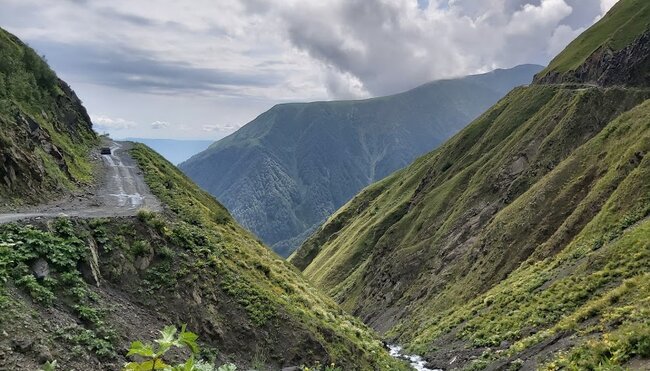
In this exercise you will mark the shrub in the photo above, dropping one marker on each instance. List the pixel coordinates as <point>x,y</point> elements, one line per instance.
<point>152,356</point>
<point>140,248</point>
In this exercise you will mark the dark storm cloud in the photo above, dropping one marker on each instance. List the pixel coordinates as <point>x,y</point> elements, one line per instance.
<point>133,70</point>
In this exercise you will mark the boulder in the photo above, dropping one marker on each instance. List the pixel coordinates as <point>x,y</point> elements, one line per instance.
<point>40,269</point>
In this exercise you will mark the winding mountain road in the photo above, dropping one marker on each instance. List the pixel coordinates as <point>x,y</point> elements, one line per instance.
<point>121,191</point>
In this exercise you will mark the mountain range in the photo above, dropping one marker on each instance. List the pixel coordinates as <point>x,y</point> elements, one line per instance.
<point>521,242</point>
<point>285,172</point>
<point>79,292</point>
<point>524,240</point>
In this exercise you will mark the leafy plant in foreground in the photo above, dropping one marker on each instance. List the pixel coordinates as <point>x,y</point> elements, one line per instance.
<point>152,356</point>
<point>49,366</point>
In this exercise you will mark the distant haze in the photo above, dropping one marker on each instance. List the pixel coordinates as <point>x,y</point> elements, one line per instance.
<point>174,150</point>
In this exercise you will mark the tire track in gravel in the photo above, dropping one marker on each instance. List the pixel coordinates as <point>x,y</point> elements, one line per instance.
<point>121,191</point>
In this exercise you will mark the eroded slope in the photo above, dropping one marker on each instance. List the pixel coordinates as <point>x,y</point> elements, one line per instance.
<point>45,132</point>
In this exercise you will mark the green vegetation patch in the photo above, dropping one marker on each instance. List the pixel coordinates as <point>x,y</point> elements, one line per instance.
<point>270,290</point>
<point>523,219</point>
<point>44,264</point>
<point>595,288</point>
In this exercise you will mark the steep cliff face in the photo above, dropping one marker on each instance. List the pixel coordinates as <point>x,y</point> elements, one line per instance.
<point>501,247</point>
<point>46,133</point>
<point>285,172</point>
<point>606,67</point>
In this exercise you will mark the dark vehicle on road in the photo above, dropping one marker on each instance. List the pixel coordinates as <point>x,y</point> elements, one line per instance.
<point>105,151</point>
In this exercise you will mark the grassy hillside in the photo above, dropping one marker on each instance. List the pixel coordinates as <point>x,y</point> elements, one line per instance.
<point>627,21</point>
<point>285,172</point>
<point>587,281</point>
<point>174,150</point>
<point>78,291</point>
<point>115,280</point>
<point>45,133</point>
<point>620,39</point>
<point>521,242</point>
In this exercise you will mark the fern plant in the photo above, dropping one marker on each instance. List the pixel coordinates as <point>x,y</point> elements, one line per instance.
<point>49,366</point>
<point>152,355</point>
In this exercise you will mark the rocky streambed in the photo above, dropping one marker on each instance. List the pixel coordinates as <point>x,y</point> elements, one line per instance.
<point>416,361</point>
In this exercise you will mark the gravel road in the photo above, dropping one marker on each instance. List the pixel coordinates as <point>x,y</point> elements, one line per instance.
<point>121,191</point>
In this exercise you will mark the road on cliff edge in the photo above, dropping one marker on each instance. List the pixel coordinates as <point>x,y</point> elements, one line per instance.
<point>121,191</point>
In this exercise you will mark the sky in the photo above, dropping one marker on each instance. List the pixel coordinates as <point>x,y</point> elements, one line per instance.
<point>200,69</point>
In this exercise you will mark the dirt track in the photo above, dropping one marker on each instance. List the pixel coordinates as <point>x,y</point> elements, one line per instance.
<point>121,191</point>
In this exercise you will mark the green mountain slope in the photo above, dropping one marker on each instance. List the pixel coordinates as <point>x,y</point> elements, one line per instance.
<point>174,150</point>
<point>45,132</point>
<point>285,172</point>
<point>80,290</point>
<point>614,51</point>
<point>520,238</point>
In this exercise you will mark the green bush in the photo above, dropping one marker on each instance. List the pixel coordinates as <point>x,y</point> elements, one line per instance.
<point>140,248</point>
<point>151,357</point>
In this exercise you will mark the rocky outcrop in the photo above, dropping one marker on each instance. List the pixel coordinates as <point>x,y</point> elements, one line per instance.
<point>606,67</point>
<point>72,115</point>
<point>45,132</point>
<point>22,171</point>
<point>40,269</point>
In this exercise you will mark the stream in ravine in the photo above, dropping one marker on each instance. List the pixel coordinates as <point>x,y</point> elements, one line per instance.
<point>416,361</point>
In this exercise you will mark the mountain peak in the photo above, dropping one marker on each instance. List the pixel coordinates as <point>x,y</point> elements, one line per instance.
<point>285,172</point>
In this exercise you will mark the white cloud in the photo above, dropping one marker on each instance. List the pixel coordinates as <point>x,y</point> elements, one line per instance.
<point>547,15</point>
<point>159,125</point>
<point>248,55</point>
<point>385,46</point>
<point>316,49</point>
<point>103,122</point>
<point>220,127</point>
<point>561,37</point>
<point>606,5</point>
<point>344,85</point>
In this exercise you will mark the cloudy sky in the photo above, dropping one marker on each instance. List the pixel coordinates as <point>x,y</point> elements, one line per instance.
<point>202,68</point>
